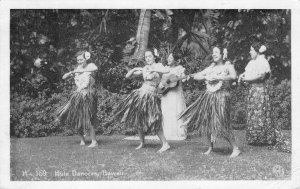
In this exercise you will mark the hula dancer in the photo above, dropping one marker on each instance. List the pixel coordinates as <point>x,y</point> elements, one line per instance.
<point>80,111</point>
<point>210,113</point>
<point>141,109</point>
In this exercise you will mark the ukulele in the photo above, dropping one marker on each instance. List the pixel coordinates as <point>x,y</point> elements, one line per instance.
<point>168,82</point>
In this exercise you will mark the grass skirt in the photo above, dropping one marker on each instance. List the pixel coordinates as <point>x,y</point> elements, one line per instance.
<point>80,111</point>
<point>141,109</point>
<point>210,115</point>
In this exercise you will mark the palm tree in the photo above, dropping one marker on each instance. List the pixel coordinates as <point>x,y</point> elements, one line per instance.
<point>142,35</point>
<point>190,31</point>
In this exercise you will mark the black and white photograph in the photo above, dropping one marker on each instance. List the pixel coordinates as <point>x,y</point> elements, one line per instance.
<point>191,94</point>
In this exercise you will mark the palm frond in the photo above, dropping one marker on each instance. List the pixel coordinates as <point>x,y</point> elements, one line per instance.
<point>198,38</point>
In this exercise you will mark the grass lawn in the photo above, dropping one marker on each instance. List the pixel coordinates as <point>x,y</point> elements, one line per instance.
<point>61,158</point>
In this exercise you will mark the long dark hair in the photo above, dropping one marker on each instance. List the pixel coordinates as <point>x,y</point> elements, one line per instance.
<point>82,52</point>
<point>156,58</point>
<point>79,53</point>
<point>256,46</point>
<point>222,48</point>
<point>176,57</point>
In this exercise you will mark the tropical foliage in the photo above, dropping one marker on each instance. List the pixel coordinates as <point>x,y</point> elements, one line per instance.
<point>43,44</point>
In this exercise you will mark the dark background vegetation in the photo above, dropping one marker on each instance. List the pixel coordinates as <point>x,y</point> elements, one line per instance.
<point>43,44</point>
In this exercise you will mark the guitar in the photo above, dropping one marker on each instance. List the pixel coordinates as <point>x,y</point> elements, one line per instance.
<point>168,82</point>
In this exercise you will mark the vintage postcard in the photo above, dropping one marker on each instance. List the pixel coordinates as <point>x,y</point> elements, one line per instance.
<point>131,94</point>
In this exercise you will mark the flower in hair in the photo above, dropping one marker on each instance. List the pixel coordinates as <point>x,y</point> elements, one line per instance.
<point>155,52</point>
<point>262,49</point>
<point>38,63</point>
<point>225,52</point>
<point>87,55</point>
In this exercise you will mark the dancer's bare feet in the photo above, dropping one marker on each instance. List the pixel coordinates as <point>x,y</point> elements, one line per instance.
<point>235,153</point>
<point>82,143</point>
<point>140,146</point>
<point>208,151</point>
<point>164,148</point>
<point>93,144</point>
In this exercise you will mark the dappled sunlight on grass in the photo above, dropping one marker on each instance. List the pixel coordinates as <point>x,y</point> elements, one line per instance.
<point>62,158</point>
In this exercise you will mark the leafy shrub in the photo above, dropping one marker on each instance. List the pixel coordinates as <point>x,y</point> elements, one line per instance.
<point>281,103</point>
<point>192,95</point>
<point>34,117</point>
<point>239,106</point>
<point>107,102</point>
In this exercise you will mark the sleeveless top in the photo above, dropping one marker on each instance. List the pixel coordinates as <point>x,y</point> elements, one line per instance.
<point>216,85</point>
<point>84,80</point>
<point>152,79</point>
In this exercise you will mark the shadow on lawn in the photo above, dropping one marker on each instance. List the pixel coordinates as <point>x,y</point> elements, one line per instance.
<point>117,159</point>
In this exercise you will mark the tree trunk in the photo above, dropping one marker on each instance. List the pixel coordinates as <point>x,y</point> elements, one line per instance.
<point>142,33</point>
